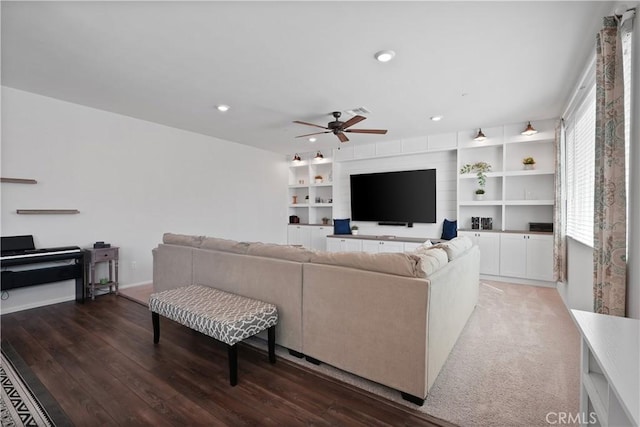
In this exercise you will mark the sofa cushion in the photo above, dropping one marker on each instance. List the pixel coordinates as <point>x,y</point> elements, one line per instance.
<point>182,239</point>
<point>432,260</point>
<point>225,245</point>
<point>289,253</point>
<point>455,247</point>
<point>400,264</point>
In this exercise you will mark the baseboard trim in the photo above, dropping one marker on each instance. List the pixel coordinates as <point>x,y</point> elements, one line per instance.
<point>519,281</point>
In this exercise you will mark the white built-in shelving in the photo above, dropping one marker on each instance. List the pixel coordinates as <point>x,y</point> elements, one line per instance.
<point>310,199</point>
<point>514,196</point>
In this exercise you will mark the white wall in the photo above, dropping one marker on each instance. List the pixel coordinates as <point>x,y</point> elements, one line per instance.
<point>132,181</point>
<point>443,161</point>
<point>577,292</point>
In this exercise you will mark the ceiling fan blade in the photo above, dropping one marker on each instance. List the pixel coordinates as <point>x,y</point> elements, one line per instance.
<point>309,134</point>
<point>309,124</point>
<point>352,121</point>
<point>342,137</point>
<point>378,131</point>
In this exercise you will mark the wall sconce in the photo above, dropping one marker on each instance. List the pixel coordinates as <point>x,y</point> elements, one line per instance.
<point>529,130</point>
<point>480,136</point>
<point>296,158</point>
<point>319,155</point>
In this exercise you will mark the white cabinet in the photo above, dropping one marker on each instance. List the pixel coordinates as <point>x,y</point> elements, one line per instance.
<point>411,246</point>
<point>309,236</point>
<point>540,257</point>
<point>367,244</point>
<point>299,235</point>
<point>319,237</point>
<point>489,245</point>
<point>610,373</point>
<point>338,244</point>
<point>528,256</point>
<point>377,246</point>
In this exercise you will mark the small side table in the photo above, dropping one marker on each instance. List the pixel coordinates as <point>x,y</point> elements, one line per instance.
<point>96,255</point>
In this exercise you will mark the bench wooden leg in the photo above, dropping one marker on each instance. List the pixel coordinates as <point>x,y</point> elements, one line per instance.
<point>155,318</point>
<point>233,364</point>
<point>272,344</point>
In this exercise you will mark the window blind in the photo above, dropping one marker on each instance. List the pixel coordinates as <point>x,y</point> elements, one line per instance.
<point>580,140</point>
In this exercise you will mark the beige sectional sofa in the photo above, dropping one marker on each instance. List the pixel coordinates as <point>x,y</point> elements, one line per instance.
<point>392,318</point>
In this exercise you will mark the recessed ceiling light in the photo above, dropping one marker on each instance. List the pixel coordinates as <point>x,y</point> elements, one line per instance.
<point>436,118</point>
<point>385,55</point>
<point>223,107</point>
<point>312,139</point>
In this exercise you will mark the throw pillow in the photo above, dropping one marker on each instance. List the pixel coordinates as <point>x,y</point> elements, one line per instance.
<point>342,226</point>
<point>449,229</point>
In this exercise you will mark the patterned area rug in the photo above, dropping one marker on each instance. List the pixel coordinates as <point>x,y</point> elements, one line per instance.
<point>24,401</point>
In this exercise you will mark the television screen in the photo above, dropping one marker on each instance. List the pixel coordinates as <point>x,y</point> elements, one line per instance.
<point>404,196</point>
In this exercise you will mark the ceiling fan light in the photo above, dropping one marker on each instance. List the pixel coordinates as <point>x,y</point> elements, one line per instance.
<point>385,55</point>
<point>312,139</point>
<point>223,108</point>
<point>480,136</point>
<point>529,130</point>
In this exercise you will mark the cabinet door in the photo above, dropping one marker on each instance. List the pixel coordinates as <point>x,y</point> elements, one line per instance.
<point>540,257</point>
<point>489,244</point>
<point>370,246</point>
<point>333,244</point>
<point>513,255</point>
<point>299,235</point>
<point>410,247</point>
<point>319,237</point>
<point>336,244</point>
<point>387,246</point>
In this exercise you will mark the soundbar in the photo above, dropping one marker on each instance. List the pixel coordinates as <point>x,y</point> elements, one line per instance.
<point>402,224</point>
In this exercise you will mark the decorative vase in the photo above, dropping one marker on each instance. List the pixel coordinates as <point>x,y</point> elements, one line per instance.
<point>295,200</point>
<point>354,232</point>
<point>318,181</point>
<point>529,167</point>
<point>479,196</point>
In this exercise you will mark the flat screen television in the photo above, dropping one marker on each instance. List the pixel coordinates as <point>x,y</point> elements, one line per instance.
<point>398,197</point>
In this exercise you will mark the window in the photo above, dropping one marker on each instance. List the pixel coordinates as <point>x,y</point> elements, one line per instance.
<point>580,147</point>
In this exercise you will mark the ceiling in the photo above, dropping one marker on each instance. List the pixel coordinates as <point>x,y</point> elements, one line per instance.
<point>478,64</point>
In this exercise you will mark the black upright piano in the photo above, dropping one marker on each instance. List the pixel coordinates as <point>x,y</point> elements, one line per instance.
<point>21,251</point>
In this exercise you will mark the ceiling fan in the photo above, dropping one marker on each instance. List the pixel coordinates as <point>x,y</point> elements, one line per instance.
<point>338,128</point>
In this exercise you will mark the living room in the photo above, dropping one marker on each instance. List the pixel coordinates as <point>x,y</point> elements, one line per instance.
<point>81,114</point>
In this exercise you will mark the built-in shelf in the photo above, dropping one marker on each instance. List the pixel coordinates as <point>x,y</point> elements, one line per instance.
<point>47,211</point>
<point>610,373</point>
<point>19,180</point>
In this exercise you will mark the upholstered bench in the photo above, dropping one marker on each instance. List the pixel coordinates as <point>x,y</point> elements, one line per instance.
<point>227,317</point>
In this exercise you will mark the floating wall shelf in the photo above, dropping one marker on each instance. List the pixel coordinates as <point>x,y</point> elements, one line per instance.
<point>19,180</point>
<point>47,211</point>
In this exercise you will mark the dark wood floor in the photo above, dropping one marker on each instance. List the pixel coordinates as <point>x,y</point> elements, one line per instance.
<point>99,361</point>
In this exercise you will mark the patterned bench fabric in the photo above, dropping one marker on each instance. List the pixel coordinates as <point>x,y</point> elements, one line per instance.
<point>224,316</point>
